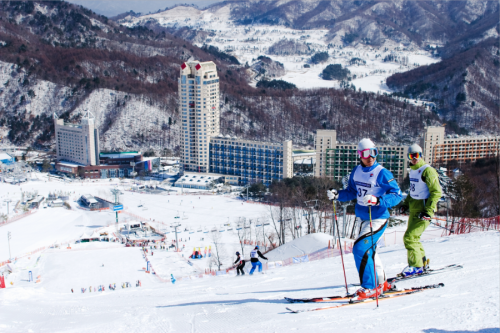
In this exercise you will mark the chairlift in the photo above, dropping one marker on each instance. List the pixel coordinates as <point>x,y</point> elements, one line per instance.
<point>266,223</point>
<point>238,227</point>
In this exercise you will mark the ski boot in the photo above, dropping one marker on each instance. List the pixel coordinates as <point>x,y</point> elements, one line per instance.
<point>410,271</point>
<point>426,263</point>
<point>363,293</point>
<point>386,286</point>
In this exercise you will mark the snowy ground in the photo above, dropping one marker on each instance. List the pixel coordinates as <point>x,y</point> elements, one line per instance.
<point>249,42</point>
<point>469,302</point>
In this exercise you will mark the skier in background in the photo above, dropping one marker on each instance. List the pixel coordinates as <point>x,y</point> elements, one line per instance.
<point>372,185</point>
<point>254,259</point>
<point>240,263</point>
<point>422,200</point>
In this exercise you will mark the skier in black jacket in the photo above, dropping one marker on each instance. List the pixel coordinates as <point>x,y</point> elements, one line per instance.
<point>254,259</point>
<point>240,264</point>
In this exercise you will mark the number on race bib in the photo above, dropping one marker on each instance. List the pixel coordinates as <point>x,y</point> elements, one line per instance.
<point>360,192</point>
<point>412,187</point>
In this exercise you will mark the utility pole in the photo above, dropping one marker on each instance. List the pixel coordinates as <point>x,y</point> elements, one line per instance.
<point>8,238</point>
<point>7,201</point>
<point>176,242</point>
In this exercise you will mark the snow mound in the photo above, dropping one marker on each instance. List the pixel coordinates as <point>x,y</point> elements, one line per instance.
<point>300,246</point>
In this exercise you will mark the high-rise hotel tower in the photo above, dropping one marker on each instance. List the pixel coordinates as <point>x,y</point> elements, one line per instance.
<point>199,103</point>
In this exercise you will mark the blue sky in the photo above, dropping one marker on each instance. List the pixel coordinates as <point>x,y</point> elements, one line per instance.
<point>114,7</point>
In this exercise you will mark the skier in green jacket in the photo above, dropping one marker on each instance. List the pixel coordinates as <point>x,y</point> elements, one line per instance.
<point>422,200</point>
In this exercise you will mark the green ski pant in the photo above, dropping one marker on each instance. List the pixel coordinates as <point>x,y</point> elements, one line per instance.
<point>412,242</point>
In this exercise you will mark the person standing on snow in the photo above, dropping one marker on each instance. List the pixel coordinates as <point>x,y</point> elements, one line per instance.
<point>240,264</point>
<point>254,259</point>
<point>425,192</point>
<point>373,186</point>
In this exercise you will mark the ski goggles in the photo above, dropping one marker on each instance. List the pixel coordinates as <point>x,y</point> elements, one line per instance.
<point>411,156</point>
<point>370,152</point>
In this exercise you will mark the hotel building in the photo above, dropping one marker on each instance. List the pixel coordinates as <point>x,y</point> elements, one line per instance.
<point>204,149</point>
<point>77,143</point>
<point>199,108</point>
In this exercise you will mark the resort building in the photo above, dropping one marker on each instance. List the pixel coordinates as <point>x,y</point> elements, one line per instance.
<point>337,160</point>
<point>251,161</point>
<point>439,149</point>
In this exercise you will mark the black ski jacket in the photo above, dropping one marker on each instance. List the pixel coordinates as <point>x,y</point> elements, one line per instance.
<point>240,261</point>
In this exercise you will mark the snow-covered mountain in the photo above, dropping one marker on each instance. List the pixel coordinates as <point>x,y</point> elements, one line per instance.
<point>61,58</point>
<point>373,40</point>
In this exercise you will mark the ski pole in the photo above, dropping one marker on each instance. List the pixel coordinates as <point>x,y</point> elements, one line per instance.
<point>340,242</point>
<point>373,249</point>
<point>437,225</point>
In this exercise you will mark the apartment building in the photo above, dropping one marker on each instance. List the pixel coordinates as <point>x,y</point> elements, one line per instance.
<point>325,139</point>
<point>439,148</point>
<point>199,103</point>
<point>77,143</point>
<point>250,161</point>
<point>336,160</point>
<point>342,159</point>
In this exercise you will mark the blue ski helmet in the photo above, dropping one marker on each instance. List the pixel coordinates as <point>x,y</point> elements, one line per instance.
<point>256,247</point>
<point>237,253</point>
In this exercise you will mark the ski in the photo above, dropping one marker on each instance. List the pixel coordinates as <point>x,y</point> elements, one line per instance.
<point>370,300</point>
<point>426,273</point>
<point>349,296</point>
<point>330,298</point>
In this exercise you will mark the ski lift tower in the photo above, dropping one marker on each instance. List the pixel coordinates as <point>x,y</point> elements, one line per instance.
<point>117,207</point>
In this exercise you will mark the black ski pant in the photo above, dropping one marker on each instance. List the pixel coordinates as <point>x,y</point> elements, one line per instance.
<point>239,269</point>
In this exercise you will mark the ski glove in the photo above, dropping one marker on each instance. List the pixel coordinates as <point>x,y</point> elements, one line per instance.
<point>424,216</point>
<point>332,194</point>
<point>402,210</point>
<point>370,200</point>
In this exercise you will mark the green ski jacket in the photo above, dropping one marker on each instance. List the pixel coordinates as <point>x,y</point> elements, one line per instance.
<point>431,178</point>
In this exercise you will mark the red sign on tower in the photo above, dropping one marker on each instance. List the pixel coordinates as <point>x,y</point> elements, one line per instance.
<point>198,67</point>
<point>183,65</point>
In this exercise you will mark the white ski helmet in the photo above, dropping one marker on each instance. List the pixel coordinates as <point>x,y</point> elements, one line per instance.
<point>365,144</point>
<point>414,148</point>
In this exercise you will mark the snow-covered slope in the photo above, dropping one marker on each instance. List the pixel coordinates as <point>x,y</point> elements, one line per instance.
<point>300,246</point>
<point>469,302</point>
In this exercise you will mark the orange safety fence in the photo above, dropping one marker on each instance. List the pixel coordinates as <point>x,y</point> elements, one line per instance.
<point>17,217</point>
